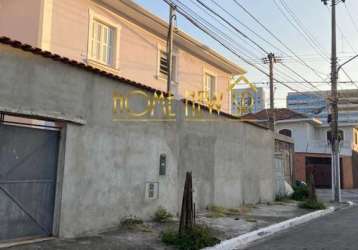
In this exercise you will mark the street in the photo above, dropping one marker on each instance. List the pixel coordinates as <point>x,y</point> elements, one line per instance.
<point>335,231</point>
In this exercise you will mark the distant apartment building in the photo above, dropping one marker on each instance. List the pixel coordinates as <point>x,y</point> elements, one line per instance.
<point>252,101</point>
<point>314,104</point>
<point>122,38</point>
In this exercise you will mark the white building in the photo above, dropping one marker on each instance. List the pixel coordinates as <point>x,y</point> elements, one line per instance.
<point>311,135</point>
<point>312,147</point>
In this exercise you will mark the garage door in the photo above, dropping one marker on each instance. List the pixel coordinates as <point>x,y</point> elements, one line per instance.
<point>28,163</point>
<point>320,167</point>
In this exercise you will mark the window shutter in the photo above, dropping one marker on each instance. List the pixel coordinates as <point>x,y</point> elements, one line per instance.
<point>163,67</point>
<point>102,43</point>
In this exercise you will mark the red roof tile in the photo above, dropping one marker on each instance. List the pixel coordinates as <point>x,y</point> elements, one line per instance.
<point>56,57</point>
<point>62,59</point>
<point>280,114</point>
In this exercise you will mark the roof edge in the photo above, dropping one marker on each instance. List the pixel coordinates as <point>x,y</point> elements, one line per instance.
<point>182,34</point>
<point>46,54</point>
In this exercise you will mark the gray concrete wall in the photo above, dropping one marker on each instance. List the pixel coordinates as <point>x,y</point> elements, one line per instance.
<point>107,164</point>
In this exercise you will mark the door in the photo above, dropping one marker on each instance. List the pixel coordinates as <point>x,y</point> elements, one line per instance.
<point>279,175</point>
<point>320,167</point>
<point>28,166</point>
<point>322,175</point>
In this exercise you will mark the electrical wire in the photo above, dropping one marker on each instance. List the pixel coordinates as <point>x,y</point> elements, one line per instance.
<point>277,39</point>
<point>187,9</point>
<point>241,33</point>
<point>209,33</point>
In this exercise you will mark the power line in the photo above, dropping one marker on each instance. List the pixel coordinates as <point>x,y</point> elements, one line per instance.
<point>301,28</point>
<point>343,35</point>
<point>209,33</point>
<point>305,29</point>
<point>212,35</point>
<point>248,28</point>
<point>279,40</point>
<point>232,26</point>
<point>293,71</point>
<point>241,33</point>
<point>183,6</point>
<point>218,30</point>
<point>298,26</point>
<point>349,44</point>
<point>351,18</point>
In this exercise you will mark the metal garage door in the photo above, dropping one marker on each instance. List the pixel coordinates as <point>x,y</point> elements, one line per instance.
<point>320,167</point>
<point>28,163</point>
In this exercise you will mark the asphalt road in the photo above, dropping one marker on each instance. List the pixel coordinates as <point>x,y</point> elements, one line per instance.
<point>338,231</point>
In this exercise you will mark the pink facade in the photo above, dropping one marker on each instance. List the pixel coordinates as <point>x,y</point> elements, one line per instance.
<point>65,27</point>
<point>20,20</point>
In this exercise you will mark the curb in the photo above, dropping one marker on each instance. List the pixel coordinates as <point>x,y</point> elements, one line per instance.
<point>245,239</point>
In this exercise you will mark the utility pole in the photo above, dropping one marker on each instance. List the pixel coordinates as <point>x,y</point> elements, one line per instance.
<point>271,60</point>
<point>172,19</point>
<point>334,107</point>
<point>336,189</point>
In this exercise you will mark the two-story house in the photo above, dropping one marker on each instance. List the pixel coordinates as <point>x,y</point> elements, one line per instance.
<point>121,37</point>
<point>312,145</point>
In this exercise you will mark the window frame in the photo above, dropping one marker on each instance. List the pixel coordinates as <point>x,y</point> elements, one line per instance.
<point>213,74</point>
<point>93,16</point>
<point>281,132</point>
<point>159,75</point>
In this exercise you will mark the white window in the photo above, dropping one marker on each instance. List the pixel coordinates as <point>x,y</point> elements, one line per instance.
<point>103,41</point>
<point>209,85</point>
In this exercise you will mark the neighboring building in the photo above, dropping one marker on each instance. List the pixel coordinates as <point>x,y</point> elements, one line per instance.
<point>312,147</point>
<point>314,104</point>
<point>247,97</point>
<point>119,37</point>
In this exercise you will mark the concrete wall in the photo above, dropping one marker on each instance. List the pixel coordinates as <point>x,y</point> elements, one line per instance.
<point>347,172</point>
<point>107,164</point>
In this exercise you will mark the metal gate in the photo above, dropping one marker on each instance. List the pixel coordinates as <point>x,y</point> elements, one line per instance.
<point>28,166</point>
<point>279,175</point>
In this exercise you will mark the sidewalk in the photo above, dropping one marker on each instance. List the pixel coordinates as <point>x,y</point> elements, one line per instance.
<point>255,217</point>
<point>225,223</point>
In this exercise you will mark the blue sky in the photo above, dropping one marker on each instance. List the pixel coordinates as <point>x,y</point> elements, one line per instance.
<point>315,18</point>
